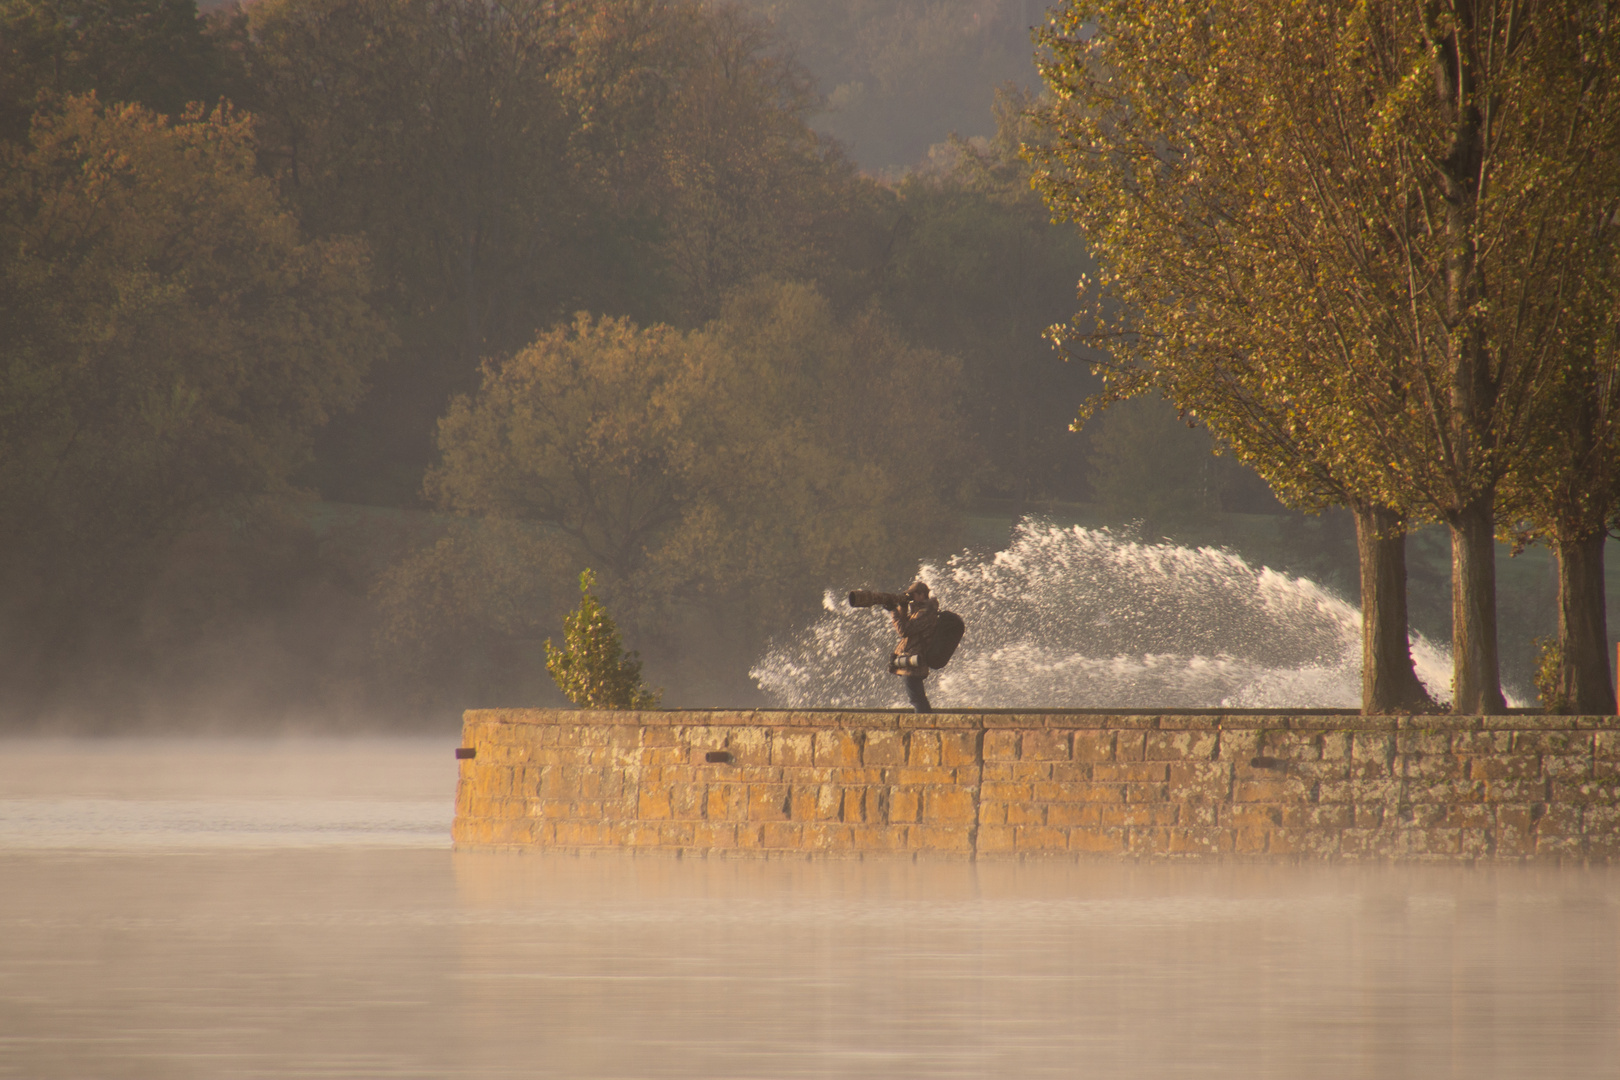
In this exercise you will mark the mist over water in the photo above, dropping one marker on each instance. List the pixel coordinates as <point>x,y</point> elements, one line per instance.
<point>1084,618</point>
<point>292,908</point>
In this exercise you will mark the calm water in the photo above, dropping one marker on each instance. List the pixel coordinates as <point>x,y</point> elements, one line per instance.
<point>235,909</point>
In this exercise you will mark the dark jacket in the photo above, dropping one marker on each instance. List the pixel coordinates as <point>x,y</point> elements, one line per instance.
<point>915,623</point>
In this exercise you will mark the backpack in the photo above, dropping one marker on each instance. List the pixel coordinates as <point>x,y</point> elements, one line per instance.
<point>942,642</point>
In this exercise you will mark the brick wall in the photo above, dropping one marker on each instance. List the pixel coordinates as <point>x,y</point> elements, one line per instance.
<point>1296,785</point>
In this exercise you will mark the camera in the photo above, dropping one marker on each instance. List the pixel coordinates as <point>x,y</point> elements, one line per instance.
<point>868,598</point>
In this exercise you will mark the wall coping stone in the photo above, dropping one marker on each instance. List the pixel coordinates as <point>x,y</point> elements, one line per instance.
<point>1033,719</point>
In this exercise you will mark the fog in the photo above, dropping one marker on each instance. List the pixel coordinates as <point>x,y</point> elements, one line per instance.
<point>173,908</point>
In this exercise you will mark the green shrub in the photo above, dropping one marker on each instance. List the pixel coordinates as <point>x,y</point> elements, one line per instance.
<point>1549,675</point>
<point>593,670</point>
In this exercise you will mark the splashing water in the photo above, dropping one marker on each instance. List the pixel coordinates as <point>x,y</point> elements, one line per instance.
<point>1081,618</point>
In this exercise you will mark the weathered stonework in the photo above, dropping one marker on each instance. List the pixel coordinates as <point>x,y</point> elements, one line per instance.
<point>1305,785</point>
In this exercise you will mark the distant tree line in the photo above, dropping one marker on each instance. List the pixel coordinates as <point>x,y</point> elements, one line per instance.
<point>1372,246</point>
<point>576,279</point>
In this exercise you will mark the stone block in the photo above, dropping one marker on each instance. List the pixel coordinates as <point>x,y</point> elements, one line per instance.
<point>1044,746</point>
<point>714,835</point>
<point>935,775</point>
<point>1467,816</point>
<point>1446,791</point>
<point>1070,772</point>
<point>1148,841</point>
<point>992,813</point>
<point>1434,767</point>
<point>1130,745</point>
<point>793,748</point>
<point>1009,793</point>
<point>882,838</point>
<point>676,834</point>
<point>1559,830</point>
<point>782,835</point>
<point>1253,816</point>
<point>958,749</point>
<point>1481,743</point>
<point>804,802</point>
<point>1318,771</point>
<point>579,833</point>
<point>768,802</point>
<point>1199,813</point>
<point>1410,743</point>
<point>1577,792</point>
<point>1556,743</point>
<point>836,749</point>
<point>1147,793</point>
<point>1504,766</point>
<point>1238,744</point>
<point>1211,780</point>
<point>1000,746</point>
<point>750,746</point>
<point>1269,790</point>
<point>941,838</point>
<point>1179,745</point>
<point>1039,838</point>
<point>1029,772</point>
<point>1372,750</point>
<point>722,802</point>
<point>1094,746</point>
<point>1136,772</point>
<point>823,837</point>
<point>1026,813</point>
<point>995,839</point>
<point>1601,829</point>
<point>1515,791</point>
<point>1198,841</point>
<point>1068,815</point>
<point>884,748</point>
<point>656,756</point>
<point>923,750</point>
<point>1335,746</point>
<point>904,806</point>
<point>1576,767</point>
<point>686,801</point>
<point>1147,814</point>
<point>948,806</point>
<point>1099,841</point>
<point>1606,745</point>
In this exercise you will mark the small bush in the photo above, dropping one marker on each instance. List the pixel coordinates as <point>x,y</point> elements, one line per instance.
<point>1549,676</point>
<point>593,669</point>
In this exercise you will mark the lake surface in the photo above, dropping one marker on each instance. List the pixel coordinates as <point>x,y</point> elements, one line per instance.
<point>218,909</point>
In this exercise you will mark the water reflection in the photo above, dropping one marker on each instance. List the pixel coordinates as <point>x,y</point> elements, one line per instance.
<point>352,958</point>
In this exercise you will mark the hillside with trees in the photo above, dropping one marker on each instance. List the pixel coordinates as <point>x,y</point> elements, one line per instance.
<point>341,336</point>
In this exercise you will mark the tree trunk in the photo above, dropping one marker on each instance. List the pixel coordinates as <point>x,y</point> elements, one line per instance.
<point>1476,677</point>
<point>1388,682</point>
<point>1583,632</point>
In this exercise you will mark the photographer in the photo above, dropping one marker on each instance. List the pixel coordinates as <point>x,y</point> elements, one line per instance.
<point>927,635</point>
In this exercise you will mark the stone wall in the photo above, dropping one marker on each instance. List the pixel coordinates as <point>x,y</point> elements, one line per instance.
<point>1316,785</point>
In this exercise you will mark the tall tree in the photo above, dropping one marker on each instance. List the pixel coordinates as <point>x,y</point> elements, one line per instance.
<point>1346,222</point>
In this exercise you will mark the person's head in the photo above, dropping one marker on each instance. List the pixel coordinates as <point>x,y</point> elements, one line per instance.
<point>917,591</point>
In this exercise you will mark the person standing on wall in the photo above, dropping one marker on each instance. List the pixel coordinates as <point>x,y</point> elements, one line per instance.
<point>928,636</point>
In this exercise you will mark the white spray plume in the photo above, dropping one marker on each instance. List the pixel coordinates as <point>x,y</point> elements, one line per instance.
<point>1082,618</point>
